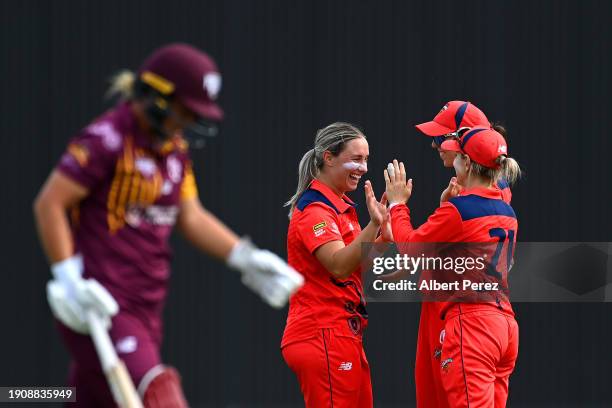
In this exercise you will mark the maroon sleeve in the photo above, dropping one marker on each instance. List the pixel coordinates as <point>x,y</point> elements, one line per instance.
<point>91,156</point>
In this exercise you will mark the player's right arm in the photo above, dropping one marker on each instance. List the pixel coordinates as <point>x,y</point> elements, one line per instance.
<point>339,259</point>
<point>58,194</point>
<point>85,163</point>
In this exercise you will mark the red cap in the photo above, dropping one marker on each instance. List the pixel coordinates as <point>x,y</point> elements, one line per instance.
<point>482,145</point>
<point>187,73</point>
<point>454,116</point>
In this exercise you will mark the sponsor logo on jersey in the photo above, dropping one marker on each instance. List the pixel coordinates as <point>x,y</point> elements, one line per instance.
<point>167,188</point>
<point>157,215</point>
<point>146,166</point>
<point>320,225</point>
<point>345,366</point>
<point>319,229</point>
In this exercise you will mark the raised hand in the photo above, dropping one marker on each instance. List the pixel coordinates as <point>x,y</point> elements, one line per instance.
<point>451,191</point>
<point>376,209</point>
<point>397,188</point>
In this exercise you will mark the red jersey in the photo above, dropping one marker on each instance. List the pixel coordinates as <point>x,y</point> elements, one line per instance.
<point>504,187</point>
<point>319,217</point>
<point>122,227</point>
<point>476,215</point>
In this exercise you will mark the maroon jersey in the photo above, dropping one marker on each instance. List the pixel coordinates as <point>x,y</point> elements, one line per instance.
<point>122,227</point>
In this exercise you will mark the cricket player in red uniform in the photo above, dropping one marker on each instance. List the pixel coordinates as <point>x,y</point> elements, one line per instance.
<point>322,342</point>
<point>474,365</point>
<point>127,179</point>
<point>452,120</point>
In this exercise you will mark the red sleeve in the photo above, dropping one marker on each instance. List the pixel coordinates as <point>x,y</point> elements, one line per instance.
<point>444,225</point>
<point>318,225</point>
<point>91,156</point>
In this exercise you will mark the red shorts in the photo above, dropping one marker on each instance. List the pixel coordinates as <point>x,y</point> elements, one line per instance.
<point>332,371</point>
<point>136,344</point>
<point>429,390</point>
<point>479,352</point>
<point>467,357</point>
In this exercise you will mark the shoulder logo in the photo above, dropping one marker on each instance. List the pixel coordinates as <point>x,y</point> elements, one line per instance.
<point>318,226</point>
<point>111,139</point>
<point>319,229</point>
<point>80,153</point>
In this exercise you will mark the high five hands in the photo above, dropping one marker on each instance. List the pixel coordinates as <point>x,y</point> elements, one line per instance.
<point>398,190</point>
<point>379,214</point>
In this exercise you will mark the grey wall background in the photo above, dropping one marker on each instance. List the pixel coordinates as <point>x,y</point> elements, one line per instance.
<point>542,68</point>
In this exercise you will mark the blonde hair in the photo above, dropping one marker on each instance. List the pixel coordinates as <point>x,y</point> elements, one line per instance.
<point>122,84</point>
<point>331,138</point>
<point>508,170</point>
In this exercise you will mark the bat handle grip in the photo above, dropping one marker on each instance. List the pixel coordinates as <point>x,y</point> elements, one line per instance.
<point>102,341</point>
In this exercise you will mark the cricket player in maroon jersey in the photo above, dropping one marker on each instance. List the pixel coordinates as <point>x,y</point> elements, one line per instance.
<point>322,342</point>
<point>127,179</point>
<point>474,364</point>
<point>454,118</point>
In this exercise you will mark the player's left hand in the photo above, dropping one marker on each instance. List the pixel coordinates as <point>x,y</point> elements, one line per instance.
<point>265,273</point>
<point>398,189</point>
<point>451,191</point>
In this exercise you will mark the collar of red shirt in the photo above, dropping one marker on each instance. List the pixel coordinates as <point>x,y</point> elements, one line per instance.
<point>493,193</point>
<point>342,204</point>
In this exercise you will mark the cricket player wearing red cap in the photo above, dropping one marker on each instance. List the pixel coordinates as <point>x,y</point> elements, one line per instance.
<point>474,364</point>
<point>453,119</point>
<point>128,179</point>
<point>322,342</point>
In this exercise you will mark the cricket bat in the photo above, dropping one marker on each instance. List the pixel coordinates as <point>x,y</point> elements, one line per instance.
<point>118,378</point>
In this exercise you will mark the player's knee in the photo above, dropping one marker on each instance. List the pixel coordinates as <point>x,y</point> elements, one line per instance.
<point>161,388</point>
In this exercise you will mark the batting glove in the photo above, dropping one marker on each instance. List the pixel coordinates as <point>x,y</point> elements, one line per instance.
<point>70,295</point>
<point>265,273</point>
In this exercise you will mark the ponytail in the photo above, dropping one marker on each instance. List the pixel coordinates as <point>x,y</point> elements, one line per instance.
<point>509,169</point>
<point>122,84</point>
<point>307,171</point>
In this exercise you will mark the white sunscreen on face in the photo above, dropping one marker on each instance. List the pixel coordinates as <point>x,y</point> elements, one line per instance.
<point>354,166</point>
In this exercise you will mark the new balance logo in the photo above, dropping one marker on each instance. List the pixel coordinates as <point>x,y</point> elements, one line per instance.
<point>345,366</point>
